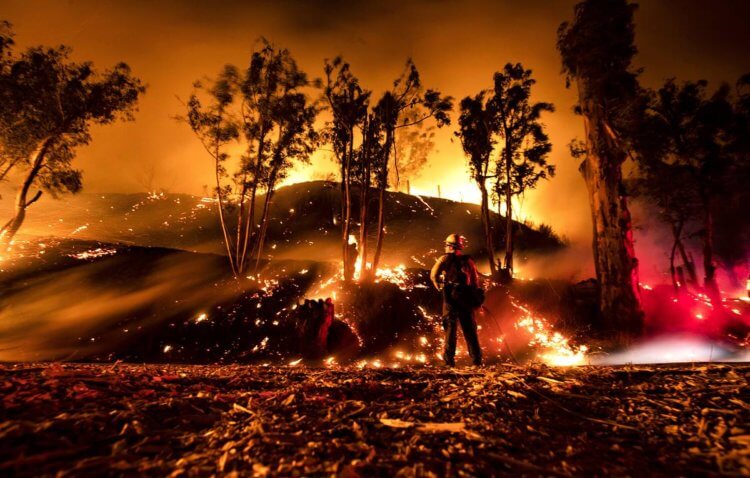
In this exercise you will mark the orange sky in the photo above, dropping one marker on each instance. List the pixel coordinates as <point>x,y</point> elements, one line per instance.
<point>456,46</point>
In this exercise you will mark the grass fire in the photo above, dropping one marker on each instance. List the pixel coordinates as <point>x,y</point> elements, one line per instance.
<point>375,239</point>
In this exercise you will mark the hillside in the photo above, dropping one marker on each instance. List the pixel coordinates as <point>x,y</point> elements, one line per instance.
<point>304,223</point>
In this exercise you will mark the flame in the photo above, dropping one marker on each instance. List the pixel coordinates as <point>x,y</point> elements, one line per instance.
<point>94,253</point>
<point>557,348</point>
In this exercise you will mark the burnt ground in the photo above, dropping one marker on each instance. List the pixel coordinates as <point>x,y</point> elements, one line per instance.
<point>174,420</point>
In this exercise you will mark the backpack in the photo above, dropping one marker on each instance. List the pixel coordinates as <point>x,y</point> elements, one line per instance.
<point>468,295</point>
<point>461,292</point>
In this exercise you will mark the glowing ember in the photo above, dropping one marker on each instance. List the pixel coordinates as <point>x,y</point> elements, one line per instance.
<point>557,349</point>
<point>94,253</point>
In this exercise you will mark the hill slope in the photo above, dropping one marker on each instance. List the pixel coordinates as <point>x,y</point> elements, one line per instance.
<point>304,223</point>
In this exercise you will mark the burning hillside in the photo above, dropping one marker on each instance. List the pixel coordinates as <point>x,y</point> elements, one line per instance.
<point>303,223</point>
<point>153,304</point>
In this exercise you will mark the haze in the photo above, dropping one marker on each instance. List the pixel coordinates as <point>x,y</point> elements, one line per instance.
<point>456,45</point>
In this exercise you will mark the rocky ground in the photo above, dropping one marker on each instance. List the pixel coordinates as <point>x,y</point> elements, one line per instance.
<point>173,420</point>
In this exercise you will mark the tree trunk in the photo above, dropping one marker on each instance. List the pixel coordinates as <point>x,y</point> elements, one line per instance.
<point>381,230</point>
<point>381,201</point>
<point>347,208</point>
<point>487,227</point>
<point>508,216</point>
<point>709,266</point>
<point>689,264</point>
<point>672,270</point>
<point>263,226</point>
<point>364,198</point>
<point>676,233</point>
<point>11,228</point>
<point>614,254</point>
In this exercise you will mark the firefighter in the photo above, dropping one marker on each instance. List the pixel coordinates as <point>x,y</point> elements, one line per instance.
<point>453,273</point>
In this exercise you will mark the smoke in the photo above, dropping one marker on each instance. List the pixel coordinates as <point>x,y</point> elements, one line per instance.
<point>61,314</point>
<point>672,349</point>
<point>573,263</point>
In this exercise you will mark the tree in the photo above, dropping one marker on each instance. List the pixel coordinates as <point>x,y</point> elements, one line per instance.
<point>522,161</point>
<point>672,144</point>
<point>666,187</point>
<point>212,121</point>
<point>48,104</point>
<point>372,152</point>
<point>13,144</point>
<point>291,116</point>
<point>348,103</point>
<point>412,149</point>
<point>407,99</point>
<point>597,50</point>
<point>265,110</point>
<point>368,163</point>
<point>733,230</point>
<point>477,123</point>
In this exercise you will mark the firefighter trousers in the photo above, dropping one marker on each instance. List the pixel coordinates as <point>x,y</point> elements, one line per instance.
<point>451,320</point>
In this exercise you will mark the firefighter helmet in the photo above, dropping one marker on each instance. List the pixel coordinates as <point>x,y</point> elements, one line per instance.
<point>456,241</point>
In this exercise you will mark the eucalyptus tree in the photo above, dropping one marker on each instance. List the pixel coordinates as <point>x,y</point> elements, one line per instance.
<point>48,105</point>
<point>522,159</point>
<point>405,105</point>
<point>687,159</point>
<point>292,116</point>
<point>412,149</point>
<point>211,116</point>
<point>597,50</point>
<point>265,111</point>
<point>477,125</point>
<point>348,104</point>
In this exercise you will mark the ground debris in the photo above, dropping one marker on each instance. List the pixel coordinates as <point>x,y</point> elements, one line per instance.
<point>190,420</point>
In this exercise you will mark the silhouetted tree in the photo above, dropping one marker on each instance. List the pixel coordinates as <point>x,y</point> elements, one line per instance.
<point>597,50</point>
<point>732,229</point>
<point>477,123</point>
<point>265,110</point>
<point>669,138</point>
<point>214,123</point>
<point>666,187</point>
<point>405,105</point>
<point>48,105</point>
<point>412,149</point>
<point>289,112</point>
<point>372,152</point>
<point>15,141</point>
<point>522,161</point>
<point>348,103</point>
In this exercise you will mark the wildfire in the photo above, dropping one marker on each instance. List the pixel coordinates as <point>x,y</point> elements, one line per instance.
<point>94,253</point>
<point>557,348</point>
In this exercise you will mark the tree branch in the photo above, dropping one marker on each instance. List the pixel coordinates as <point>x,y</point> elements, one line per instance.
<point>34,199</point>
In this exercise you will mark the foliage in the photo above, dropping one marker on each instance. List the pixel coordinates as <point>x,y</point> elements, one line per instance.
<point>522,160</point>
<point>265,111</point>
<point>48,104</point>
<point>505,115</point>
<point>690,153</point>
